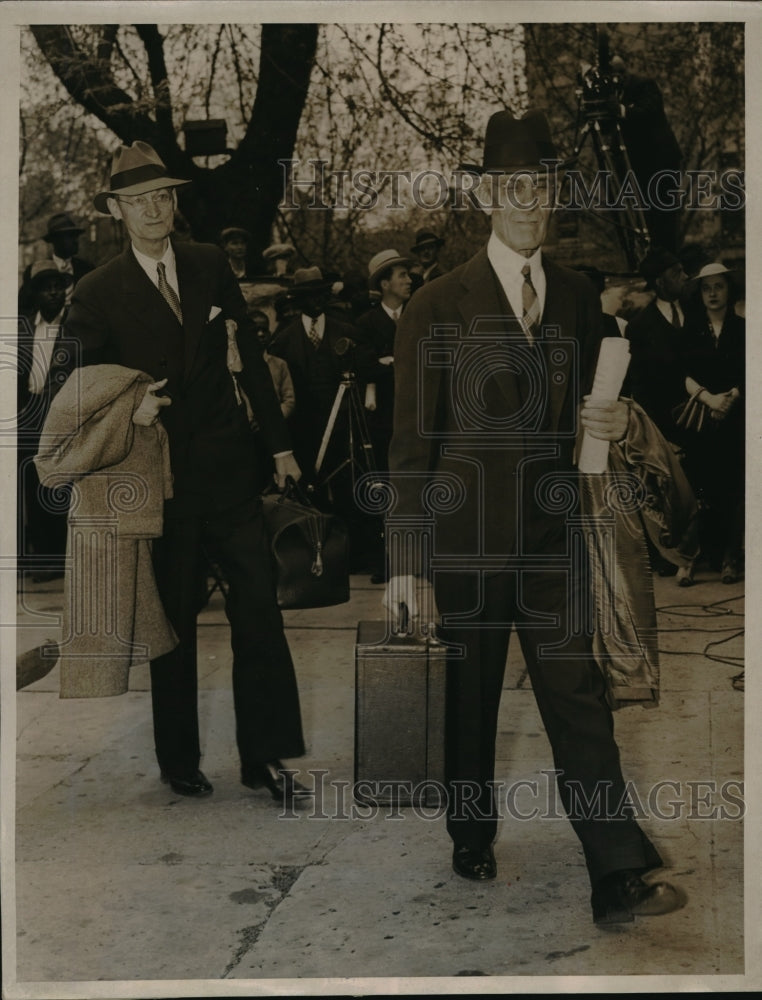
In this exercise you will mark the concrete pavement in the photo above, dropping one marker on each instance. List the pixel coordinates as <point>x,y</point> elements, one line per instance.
<point>125,889</point>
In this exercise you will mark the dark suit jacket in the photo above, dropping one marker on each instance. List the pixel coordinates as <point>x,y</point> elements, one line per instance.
<point>656,375</point>
<point>473,401</point>
<point>313,401</point>
<point>119,317</point>
<point>376,332</point>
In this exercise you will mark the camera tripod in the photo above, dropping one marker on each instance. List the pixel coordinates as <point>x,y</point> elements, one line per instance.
<point>360,450</point>
<point>598,118</point>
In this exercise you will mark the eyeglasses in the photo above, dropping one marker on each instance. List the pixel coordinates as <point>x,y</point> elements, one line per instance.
<point>158,199</point>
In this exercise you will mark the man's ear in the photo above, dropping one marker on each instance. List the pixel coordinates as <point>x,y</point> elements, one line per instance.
<point>113,206</point>
<point>486,193</point>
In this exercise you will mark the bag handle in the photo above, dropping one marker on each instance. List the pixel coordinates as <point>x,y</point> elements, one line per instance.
<point>291,491</point>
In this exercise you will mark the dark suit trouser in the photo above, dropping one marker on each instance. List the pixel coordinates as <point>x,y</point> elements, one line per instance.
<point>570,695</point>
<point>268,720</point>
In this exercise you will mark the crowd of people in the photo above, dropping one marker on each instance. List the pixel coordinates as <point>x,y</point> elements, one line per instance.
<point>321,327</point>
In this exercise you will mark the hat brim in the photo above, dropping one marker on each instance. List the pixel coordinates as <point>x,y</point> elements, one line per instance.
<point>517,168</point>
<point>155,184</point>
<point>51,273</point>
<point>373,279</point>
<point>427,243</point>
<point>309,288</point>
<point>733,276</point>
<point>49,237</point>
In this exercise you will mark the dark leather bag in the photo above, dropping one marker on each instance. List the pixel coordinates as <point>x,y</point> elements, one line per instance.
<point>310,551</point>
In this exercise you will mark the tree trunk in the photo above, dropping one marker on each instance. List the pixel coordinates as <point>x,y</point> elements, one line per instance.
<point>245,190</point>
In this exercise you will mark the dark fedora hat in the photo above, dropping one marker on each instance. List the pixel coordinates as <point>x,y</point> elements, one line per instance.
<point>307,281</point>
<point>425,238</point>
<point>512,144</point>
<point>655,263</point>
<point>42,269</point>
<point>61,222</point>
<point>135,169</point>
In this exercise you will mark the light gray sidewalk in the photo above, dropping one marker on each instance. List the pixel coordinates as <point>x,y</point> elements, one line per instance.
<point>119,879</point>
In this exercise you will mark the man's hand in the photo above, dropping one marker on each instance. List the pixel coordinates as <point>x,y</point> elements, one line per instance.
<point>370,396</point>
<point>720,402</point>
<point>606,420</point>
<point>148,411</point>
<point>285,466</point>
<point>401,590</point>
<point>386,360</point>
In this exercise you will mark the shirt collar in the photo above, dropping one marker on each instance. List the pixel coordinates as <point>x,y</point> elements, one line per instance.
<point>56,321</point>
<point>149,263</point>
<point>665,308</point>
<point>389,311</point>
<point>319,324</point>
<point>506,261</point>
<point>63,265</point>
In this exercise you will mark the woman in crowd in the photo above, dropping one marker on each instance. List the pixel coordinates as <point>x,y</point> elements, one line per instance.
<point>714,363</point>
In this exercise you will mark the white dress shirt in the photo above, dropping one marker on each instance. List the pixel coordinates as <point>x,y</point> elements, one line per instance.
<point>149,265</point>
<point>45,335</point>
<point>665,308</point>
<point>508,265</point>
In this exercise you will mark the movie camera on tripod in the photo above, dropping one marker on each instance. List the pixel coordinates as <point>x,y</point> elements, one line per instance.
<point>599,115</point>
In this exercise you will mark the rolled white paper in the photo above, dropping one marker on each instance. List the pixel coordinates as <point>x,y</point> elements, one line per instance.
<point>613,361</point>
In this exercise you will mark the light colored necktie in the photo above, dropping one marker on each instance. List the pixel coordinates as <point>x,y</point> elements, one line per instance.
<point>314,335</point>
<point>168,292</point>
<point>530,304</point>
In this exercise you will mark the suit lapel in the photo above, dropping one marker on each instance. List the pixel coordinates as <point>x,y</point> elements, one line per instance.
<point>193,284</point>
<point>558,314</point>
<point>488,318</point>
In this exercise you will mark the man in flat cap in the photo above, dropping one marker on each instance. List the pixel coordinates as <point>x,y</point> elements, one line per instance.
<point>276,258</point>
<point>492,361</point>
<point>235,245</point>
<point>161,307</point>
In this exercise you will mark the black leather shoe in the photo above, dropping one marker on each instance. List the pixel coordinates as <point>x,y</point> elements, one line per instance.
<point>195,785</point>
<point>476,863</point>
<point>271,775</point>
<point>621,896</point>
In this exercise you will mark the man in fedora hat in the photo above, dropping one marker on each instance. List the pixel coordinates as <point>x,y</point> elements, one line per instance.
<point>63,235</point>
<point>426,249</point>
<point>389,275</point>
<point>44,363</point>
<point>492,361</point>
<point>162,307</point>
<point>656,336</point>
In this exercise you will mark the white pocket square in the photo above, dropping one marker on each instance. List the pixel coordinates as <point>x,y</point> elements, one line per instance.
<point>213,312</point>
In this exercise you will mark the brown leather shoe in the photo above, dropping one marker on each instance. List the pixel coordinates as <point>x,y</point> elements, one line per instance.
<point>621,896</point>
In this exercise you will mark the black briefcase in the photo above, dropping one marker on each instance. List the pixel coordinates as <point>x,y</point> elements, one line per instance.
<point>399,717</point>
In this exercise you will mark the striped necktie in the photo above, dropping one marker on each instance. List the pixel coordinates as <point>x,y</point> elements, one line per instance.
<point>168,292</point>
<point>530,304</point>
<point>314,335</point>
